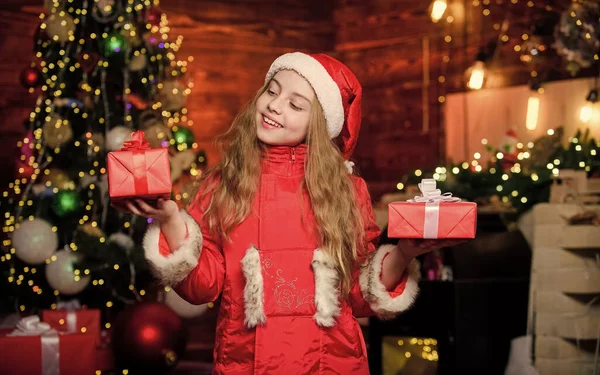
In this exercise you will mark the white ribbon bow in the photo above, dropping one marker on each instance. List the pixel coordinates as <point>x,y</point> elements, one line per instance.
<point>430,194</point>
<point>31,326</point>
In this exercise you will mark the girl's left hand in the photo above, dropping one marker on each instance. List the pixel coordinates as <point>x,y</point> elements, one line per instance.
<point>412,248</point>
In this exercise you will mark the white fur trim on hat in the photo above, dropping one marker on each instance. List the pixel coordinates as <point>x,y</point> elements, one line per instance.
<point>175,267</point>
<point>381,302</point>
<point>328,92</point>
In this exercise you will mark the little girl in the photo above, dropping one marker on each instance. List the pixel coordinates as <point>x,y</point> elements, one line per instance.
<point>284,233</point>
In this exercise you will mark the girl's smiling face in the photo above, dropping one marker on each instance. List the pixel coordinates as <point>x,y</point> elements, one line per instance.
<point>283,111</point>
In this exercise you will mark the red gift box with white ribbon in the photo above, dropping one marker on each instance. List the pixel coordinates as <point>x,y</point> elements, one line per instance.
<point>432,215</point>
<point>35,348</point>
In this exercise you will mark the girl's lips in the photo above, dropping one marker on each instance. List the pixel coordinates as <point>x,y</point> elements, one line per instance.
<point>267,125</point>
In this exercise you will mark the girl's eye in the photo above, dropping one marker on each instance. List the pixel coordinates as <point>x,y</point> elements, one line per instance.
<point>295,107</point>
<point>271,92</point>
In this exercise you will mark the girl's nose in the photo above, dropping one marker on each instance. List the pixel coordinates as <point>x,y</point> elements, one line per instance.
<point>274,106</point>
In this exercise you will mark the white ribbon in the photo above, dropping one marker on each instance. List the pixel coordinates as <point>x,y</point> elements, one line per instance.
<point>70,306</point>
<point>31,326</point>
<point>432,198</point>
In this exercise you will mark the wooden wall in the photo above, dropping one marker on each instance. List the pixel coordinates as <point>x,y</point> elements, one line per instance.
<point>393,47</point>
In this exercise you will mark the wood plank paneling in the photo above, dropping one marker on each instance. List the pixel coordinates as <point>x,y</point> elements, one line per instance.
<point>234,42</point>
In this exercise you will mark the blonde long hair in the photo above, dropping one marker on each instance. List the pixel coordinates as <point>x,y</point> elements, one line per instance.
<point>232,184</point>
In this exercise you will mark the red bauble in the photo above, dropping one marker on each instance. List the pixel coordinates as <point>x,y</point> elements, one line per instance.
<point>88,61</point>
<point>154,16</point>
<point>30,77</point>
<point>148,338</point>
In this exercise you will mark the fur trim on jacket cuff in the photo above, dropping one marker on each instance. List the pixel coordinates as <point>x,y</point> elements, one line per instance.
<point>375,293</point>
<point>175,267</point>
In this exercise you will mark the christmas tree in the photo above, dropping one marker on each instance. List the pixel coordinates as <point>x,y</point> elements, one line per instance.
<point>102,69</point>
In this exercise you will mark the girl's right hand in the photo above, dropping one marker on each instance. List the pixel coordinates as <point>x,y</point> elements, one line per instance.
<point>163,212</point>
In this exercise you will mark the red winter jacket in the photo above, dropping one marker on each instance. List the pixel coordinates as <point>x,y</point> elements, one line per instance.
<point>281,310</point>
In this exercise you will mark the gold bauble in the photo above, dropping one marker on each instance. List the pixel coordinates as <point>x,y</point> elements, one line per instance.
<point>60,28</point>
<point>56,131</point>
<point>91,230</point>
<point>58,179</point>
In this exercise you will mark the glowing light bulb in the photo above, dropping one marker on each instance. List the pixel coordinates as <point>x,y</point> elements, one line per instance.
<point>533,110</point>
<point>476,76</point>
<point>438,8</point>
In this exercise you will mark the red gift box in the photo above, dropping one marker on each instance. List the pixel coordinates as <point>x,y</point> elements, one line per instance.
<point>105,360</point>
<point>139,171</point>
<point>432,215</point>
<point>74,353</point>
<point>74,321</point>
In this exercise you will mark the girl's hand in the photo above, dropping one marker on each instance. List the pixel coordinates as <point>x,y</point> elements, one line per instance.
<point>163,212</point>
<point>408,249</point>
<point>412,248</point>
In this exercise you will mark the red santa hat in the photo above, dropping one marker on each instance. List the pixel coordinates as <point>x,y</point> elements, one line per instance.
<point>337,90</point>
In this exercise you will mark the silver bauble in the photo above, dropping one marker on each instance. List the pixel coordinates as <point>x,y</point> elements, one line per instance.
<point>116,137</point>
<point>60,276</point>
<point>34,241</point>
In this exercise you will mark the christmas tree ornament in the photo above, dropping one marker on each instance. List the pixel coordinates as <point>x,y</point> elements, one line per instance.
<point>56,131</point>
<point>183,137</point>
<point>114,43</point>
<point>137,102</point>
<point>58,178</point>
<point>53,5</point>
<point>34,241</point>
<point>66,203</point>
<point>148,338</point>
<point>61,276</point>
<point>154,16</point>
<point>508,143</point>
<point>116,137</point>
<point>88,62</point>
<point>577,35</point>
<point>172,95</point>
<point>508,150</point>
<point>138,62</point>
<point>91,230</point>
<point>30,77</point>
<point>105,11</point>
<point>60,27</point>
<point>181,307</point>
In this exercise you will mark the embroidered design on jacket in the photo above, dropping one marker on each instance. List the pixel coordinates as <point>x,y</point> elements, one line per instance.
<point>285,293</point>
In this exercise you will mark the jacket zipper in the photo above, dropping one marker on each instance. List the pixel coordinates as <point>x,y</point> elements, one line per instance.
<point>293,157</point>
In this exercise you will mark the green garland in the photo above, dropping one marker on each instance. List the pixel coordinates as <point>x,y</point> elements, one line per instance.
<point>516,183</point>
